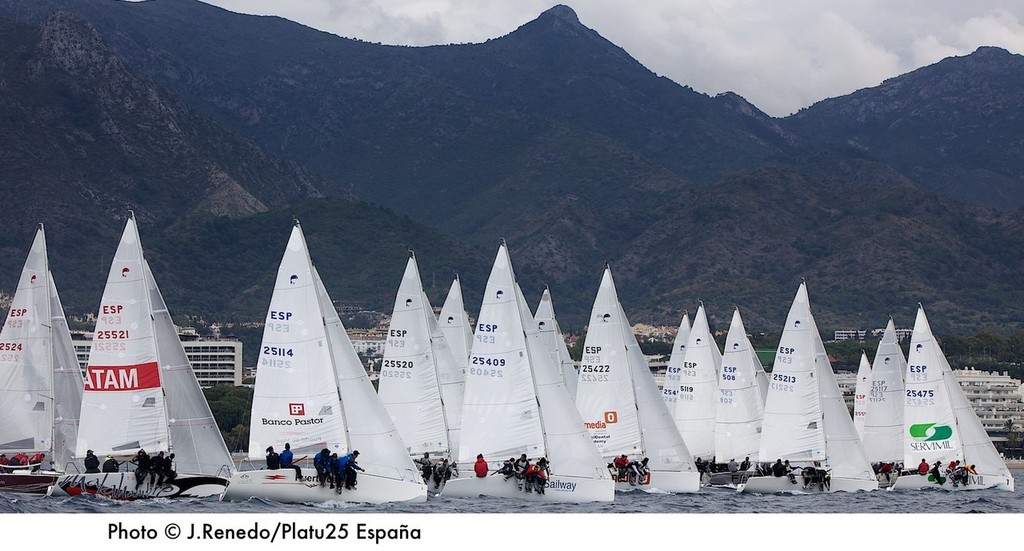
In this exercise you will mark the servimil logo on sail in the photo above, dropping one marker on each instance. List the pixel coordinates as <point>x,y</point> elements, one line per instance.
<point>929,437</point>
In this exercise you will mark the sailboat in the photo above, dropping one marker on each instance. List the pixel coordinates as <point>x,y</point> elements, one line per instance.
<point>694,399</point>
<point>313,393</point>
<point>455,325</point>
<point>742,389</point>
<point>421,384</point>
<point>516,403</point>
<point>140,392</point>
<point>806,421</point>
<point>883,418</point>
<point>551,333</point>
<point>939,423</point>
<point>860,394</point>
<point>40,381</point>
<point>621,405</point>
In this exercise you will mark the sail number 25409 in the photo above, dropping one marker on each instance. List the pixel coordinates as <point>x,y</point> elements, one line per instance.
<point>485,364</point>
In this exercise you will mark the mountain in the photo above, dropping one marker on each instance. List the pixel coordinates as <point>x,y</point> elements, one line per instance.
<point>87,139</point>
<point>551,137</point>
<point>952,127</point>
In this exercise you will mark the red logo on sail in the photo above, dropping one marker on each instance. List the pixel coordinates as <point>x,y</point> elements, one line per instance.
<point>124,272</point>
<point>296,409</point>
<point>32,280</point>
<point>122,377</point>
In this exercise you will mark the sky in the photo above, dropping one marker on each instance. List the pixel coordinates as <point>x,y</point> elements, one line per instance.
<point>780,55</point>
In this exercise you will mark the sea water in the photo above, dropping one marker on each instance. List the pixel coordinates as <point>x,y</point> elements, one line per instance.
<point>708,500</point>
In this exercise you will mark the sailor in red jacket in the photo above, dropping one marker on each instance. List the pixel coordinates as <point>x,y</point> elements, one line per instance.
<point>480,467</point>
<point>621,463</point>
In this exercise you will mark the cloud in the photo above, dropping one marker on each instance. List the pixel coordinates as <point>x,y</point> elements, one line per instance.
<point>781,55</point>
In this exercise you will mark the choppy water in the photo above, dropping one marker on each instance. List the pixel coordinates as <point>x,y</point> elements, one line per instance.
<point>707,501</point>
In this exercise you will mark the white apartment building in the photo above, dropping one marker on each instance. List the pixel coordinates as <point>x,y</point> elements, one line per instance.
<point>214,361</point>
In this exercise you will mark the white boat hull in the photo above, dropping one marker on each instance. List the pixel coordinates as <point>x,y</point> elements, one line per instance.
<point>782,484</point>
<point>674,482</point>
<point>560,489</point>
<point>122,486</point>
<point>974,482</point>
<point>280,486</point>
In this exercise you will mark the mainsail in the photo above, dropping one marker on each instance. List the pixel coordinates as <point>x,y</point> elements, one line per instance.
<point>883,422</point>
<point>617,396</point>
<point>860,394</point>
<point>551,333</point>
<point>296,398</point>
<point>140,390</point>
<point>806,419</point>
<point>421,385</point>
<point>939,422</point>
<point>455,325</point>
<point>742,389</point>
<point>40,381</point>
<point>696,396</point>
<point>516,401</point>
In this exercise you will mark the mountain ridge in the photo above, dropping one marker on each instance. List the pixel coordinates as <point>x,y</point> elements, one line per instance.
<point>576,158</point>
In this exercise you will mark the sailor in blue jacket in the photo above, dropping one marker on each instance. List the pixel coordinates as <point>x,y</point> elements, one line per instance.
<point>322,463</point>
<point>286,461</point>
<point>346,470</point>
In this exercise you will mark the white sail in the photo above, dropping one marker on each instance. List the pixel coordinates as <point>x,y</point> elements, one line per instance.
<point>606,397</point>
<point>195,437</point>
<point>296,398</point>
<point>674,370</point>
<point>315,377</point>
<point>618,398</point>
<point>742,389</point>
<point>370,430</point>
<point>123,404</point>
<point>67,383</point>
<point>939,422</point>
<point>417,366</point>
<point>500,414</point>
<point>40,382</point>
<point>806,419</point>
<point>860,394</point>
<point>883,422</point>
<point>551,333</point>
<point>516,401</point>
<point>455,325</point>
<point>697,396</point>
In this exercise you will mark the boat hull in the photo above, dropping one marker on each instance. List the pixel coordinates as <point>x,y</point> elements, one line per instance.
<point>27,483</point>
<point>782,484</point>
<point>122,486</point>
<point>281,486</point>
<point>727,479</point>
<point>974,482</point>
<point>674,482</point>
<point>560,489</point>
